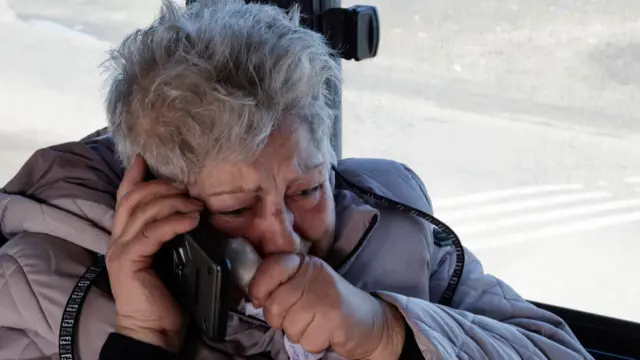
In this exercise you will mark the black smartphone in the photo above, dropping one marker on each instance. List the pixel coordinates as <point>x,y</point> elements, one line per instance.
<point>196,272</point>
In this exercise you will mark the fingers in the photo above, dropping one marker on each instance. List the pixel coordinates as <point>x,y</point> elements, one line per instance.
<point>307,324</point>
<point>288,288</point>
<point>315,339</point>
<point>297,320</point>
<point>133,176</point>
<point>156,210</point>
<point>137,196</point>
<point>148,214</point>
<point>274,271</point>
<point>139,251</point>
<point>154,235</point>
<point>286,296</point>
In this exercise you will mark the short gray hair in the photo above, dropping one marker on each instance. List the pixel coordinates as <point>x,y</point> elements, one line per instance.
<point>211,81</point>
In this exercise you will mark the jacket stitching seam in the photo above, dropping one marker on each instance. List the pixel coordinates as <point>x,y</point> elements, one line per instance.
<point>517,348</point>
<point>456,346</point>
<point>28,281</point>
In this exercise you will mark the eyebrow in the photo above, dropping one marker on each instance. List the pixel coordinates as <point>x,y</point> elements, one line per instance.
<point>237,190</point>
<point>308,168</point>
<point>242,189</point>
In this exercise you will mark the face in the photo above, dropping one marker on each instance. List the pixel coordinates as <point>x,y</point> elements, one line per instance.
<point>281,202</point>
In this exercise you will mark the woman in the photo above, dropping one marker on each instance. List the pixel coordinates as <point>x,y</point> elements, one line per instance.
<point>227,105</point>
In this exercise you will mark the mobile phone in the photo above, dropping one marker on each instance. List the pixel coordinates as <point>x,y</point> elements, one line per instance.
<point>196,272</point>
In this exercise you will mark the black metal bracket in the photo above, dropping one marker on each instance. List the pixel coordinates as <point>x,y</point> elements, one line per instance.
<point>353,32</point>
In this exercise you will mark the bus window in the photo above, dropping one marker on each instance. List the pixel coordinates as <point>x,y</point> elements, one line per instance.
<point>520,116</point>
<point>51,87</point>
<point>522,119</point>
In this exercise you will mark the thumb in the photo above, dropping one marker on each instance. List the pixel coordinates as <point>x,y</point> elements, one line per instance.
<point>274,271</point>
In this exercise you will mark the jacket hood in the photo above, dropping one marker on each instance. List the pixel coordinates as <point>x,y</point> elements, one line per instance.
<point>67,191</point>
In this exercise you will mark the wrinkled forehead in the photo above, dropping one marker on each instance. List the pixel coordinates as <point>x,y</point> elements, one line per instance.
<point>288,155</point>
<point>290,146</point>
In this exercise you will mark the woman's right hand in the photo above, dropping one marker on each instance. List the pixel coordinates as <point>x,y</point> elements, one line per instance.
<point>147,215</point>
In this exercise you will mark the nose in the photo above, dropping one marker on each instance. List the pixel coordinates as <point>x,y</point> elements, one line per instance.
<point>275,232</point>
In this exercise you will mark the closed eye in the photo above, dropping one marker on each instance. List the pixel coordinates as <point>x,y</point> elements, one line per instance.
<point>236,212</point>
<point>310,191</point>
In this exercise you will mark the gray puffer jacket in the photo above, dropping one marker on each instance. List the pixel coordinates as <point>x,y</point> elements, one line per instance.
<point>58,210</point>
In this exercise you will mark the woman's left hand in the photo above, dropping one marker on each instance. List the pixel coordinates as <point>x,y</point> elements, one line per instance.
<point>319,309</point>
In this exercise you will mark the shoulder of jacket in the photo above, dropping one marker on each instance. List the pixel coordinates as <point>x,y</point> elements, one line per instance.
<point>388,178</point>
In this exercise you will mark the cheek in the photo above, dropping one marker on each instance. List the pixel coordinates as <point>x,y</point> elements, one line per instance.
<point>232,226</point>
<point>315,222</point>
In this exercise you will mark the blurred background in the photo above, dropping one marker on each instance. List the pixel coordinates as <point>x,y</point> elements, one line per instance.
<point>522,117</point>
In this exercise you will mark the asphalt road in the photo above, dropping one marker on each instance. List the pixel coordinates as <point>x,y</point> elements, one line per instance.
<point>522,119</point>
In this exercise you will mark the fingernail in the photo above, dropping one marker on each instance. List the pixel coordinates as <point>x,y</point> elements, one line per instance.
<point>195,215</point>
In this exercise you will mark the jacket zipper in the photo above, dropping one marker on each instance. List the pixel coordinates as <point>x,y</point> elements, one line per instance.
<point>365,237</point>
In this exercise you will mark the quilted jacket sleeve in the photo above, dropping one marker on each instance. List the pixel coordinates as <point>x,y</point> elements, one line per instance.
<point>18,319</point>
<point>16,342</point>
<point>37,274</point>
<point>487,319</point>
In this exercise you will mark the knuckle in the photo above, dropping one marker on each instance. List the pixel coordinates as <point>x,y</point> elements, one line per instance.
<point>294,336</point>
<point>124,188</point>
<point>119,194</point>
<point>272,318</point>
<point>307,345</point>
<point>255,291</point>
<point>313,347</point>
<point>154,211</point>
<point>123,191</point>
<point>121,200</point>
<point>273,307</point>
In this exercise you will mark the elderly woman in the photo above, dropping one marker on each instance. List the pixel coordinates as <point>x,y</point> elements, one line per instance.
<point>227,105</point>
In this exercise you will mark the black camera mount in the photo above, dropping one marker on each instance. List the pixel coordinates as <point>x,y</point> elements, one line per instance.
<point>353,32</point>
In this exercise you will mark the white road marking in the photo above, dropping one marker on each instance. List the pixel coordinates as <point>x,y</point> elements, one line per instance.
<point>554,231</point>
<point>502,194</point>
<point>491,225</point>
<point>541,202</point>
